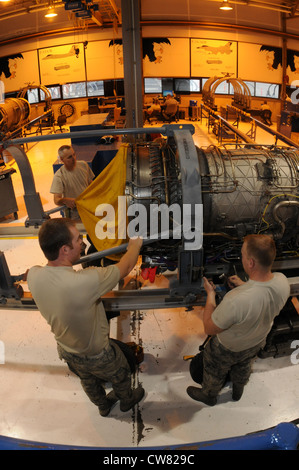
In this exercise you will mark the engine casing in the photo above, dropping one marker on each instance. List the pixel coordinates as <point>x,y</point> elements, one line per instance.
<point>243,190</point>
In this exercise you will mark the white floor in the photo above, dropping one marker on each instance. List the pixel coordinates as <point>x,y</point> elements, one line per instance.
<point>40,400</point>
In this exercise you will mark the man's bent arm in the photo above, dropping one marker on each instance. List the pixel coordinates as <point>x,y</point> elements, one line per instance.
<point>59,200</point>
<point>128,261</point>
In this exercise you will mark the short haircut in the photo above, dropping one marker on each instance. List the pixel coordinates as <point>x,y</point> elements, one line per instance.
<point>53,234</point>
<point>62,149</point>
<point>262,248</point>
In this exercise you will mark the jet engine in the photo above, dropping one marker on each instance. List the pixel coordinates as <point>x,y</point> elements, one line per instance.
<point>197,204</point>
<point>14,113</point>
<point>242,190</point>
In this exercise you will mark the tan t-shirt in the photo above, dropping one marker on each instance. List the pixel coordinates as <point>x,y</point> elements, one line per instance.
<point>70,302</point>
<point>72,183</point>
<point>246,313</point>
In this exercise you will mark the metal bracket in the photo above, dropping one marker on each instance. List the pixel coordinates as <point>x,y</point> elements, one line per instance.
<point>8,289</point>
<point>190,258</point>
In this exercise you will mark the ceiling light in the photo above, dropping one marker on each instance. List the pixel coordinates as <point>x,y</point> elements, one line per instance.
<point>50,13</point>
<point>51,10</point>
<point>225,5</point>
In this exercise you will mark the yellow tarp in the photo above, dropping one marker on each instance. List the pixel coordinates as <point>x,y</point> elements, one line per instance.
<point>104,190</point>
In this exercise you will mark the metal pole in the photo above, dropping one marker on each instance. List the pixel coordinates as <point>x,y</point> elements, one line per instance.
<point>121,248</point>
<point>132,53</point>
<point>284,64</point>
<point>164,130</point>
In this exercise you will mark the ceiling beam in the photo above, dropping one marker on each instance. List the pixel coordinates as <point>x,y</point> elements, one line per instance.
<point>117,11</point>
<point>293,9</point>
<point>29,9</point>
<point>97,18</point>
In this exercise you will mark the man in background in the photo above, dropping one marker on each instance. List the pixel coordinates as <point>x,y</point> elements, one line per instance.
<point>70,180</point>
<point>266,113</point>
<point>170,108</point>
<point>154,111</point>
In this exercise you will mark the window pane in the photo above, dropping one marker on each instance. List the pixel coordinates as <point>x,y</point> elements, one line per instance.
<point>152,85</point>
<point>95,88</point>
<point>74,90</point>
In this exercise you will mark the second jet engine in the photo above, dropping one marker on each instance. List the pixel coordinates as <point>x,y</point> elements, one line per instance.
<point>14,113</point>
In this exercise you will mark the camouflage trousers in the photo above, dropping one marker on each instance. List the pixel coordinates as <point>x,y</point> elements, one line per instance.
<point>219,362</point>
<point>94,371</point>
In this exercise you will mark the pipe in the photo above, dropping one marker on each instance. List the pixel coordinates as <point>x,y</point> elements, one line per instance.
<point>196,24</point>
<point>122,248</point>
<point>243,136</point>
<point>278,206</point>
<point>48,96</point>
<point>276,134</point>
<point>208,24</point>
<point>165,130</point>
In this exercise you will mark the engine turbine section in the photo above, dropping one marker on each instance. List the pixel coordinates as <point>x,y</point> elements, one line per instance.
<point>250,189</point>
<point>153,180</point>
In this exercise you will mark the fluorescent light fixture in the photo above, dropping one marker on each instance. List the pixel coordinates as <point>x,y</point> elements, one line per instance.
<point>225,5</point>
<point>50,12</point>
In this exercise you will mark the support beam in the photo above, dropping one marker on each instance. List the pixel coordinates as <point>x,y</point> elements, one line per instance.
<point>132,53</point>
<point>116,10</point>
<point>97,18</point>
<point>284,64</point>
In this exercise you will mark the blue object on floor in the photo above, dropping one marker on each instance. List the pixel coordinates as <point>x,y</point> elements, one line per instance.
<point>285,436</point>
